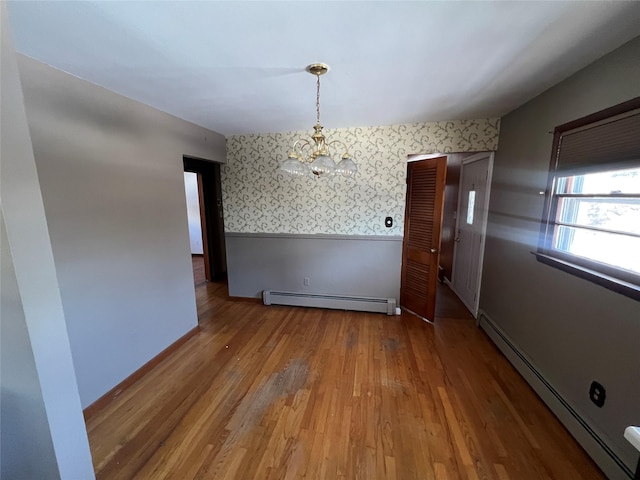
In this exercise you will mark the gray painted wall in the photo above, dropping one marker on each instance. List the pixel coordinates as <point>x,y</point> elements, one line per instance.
<point>335,264</point>
<point>43,433</point>
<point>111,176</point>
<point>573,330</point>
<point>27,448</point>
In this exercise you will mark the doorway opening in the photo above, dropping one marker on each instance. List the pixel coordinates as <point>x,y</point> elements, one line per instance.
<point>446,206</point>
<point>195,218</point>
<point>204,177</point>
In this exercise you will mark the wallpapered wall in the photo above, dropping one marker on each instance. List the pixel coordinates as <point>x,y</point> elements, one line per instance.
<point>259,198</point>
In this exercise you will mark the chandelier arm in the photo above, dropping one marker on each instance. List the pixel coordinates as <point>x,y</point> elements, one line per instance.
<point>339,142</point>
<point>299,147</point>
<point>297,142</point>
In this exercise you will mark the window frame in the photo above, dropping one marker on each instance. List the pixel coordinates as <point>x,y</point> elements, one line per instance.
<point>619,280</point>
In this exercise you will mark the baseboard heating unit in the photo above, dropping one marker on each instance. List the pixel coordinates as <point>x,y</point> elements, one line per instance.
<point>338,302</point>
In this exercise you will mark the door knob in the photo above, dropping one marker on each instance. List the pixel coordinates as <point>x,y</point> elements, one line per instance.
<point>434,250</point>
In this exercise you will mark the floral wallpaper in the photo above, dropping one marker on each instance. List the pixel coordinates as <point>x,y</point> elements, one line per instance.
<point>259,198</point>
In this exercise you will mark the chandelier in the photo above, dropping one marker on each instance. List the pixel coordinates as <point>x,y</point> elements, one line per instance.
<point>313,157</point>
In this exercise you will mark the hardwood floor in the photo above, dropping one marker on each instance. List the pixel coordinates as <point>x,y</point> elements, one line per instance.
<point>199,277</point>
<point>290,393</point>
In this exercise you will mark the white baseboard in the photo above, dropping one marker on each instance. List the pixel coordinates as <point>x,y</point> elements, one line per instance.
<point>593,443</point>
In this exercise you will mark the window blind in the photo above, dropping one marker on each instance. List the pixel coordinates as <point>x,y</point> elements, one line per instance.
<point>612,141</point>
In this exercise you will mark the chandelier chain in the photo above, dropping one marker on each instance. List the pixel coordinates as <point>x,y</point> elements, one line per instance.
<point>318,100</point>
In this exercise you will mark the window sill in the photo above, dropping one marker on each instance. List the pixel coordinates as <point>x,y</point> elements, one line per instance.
<point>619,286</point>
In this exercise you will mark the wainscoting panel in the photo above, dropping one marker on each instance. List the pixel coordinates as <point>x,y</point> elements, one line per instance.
<point>367,266</point>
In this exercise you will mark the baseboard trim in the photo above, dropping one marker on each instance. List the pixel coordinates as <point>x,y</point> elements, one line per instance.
<point>116,391</point>
<point>317,236</point>
<point>585,435</point>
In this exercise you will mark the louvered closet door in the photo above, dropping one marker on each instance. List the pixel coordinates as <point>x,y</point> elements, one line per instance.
<point>422,229</point>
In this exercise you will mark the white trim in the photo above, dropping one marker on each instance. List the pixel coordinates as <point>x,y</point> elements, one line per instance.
<point>475,157</point>
<point>316,236</point>
<point>425,156</point>
<point>424,319</point>
<point>632,434</point>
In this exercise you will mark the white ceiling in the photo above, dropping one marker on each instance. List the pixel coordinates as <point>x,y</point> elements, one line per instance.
<point>238,67</point>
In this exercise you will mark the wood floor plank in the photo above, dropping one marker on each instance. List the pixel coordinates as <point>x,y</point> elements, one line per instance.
<point>294,393</point>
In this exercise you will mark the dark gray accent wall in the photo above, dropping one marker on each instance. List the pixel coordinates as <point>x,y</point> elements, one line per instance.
<point>335,264</point>
<point>572,330</point>
<point>111,175</point>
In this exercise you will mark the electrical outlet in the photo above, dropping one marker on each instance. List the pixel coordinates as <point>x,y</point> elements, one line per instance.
<point>306,281</point>
<point>597,394</point>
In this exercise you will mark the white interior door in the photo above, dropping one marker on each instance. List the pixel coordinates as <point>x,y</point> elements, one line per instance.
<point>471,228</point>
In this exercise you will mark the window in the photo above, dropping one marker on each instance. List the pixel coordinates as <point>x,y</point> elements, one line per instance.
<point>471,205</point>
<point>591,223</point>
